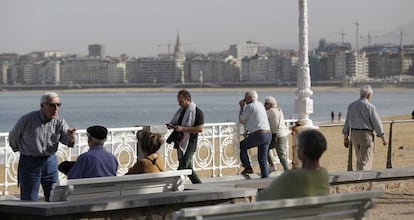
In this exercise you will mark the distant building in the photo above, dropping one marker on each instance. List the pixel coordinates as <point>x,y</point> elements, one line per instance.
<point>209,70</point>
<point>96,51</point>
<point>3,73</point>
<point>151,70</point>
<point>47,72</point>
<point>255,68</point>
<point>92,71</point>
<point>242,50</point>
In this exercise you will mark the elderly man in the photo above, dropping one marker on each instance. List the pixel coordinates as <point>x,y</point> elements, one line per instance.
<point>279,132</point>
<point>97,162</point>
<point>310,180</point>
<point>36,135</point>
<point>253,116</point>
<point>362,119</point>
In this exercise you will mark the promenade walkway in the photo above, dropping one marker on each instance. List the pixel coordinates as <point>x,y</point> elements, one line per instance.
<point>398,202</point>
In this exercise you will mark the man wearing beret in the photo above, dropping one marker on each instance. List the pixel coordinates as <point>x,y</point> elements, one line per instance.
<point>97,162</point>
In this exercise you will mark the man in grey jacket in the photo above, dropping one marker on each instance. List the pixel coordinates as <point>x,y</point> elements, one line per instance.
<point>362,119</point>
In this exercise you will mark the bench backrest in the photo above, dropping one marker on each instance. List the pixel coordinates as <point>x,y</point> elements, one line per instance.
<point>99,187</point>
<point>338,206</point>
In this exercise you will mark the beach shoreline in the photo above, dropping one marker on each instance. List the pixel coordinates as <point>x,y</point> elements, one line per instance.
<point>200,89</point>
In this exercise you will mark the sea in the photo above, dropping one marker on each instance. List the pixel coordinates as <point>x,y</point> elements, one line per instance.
<point>115,109</point>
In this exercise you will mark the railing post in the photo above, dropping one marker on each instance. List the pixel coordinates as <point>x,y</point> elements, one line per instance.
<point>389,162</point>
<point>350,156</point>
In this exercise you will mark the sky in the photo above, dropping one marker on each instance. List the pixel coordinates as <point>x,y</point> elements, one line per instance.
<point>145,27</point>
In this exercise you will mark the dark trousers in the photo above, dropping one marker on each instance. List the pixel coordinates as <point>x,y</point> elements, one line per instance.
<point>185,161</point>
<point>34,171</point>
<point>261,140</point>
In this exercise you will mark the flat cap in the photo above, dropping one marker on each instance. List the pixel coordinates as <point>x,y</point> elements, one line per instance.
<point>97,132</point>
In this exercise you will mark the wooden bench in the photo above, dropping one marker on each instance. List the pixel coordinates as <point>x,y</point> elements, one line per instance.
<point>353,205</point>
<point>87,188</point>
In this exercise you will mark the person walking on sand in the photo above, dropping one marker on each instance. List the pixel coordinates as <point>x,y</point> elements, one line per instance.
<point>361,120</point>
<point>279,132</point>
<point>37,135</point>
<point>332,116</point>
<point>187,122</point>
<point>253,115</point>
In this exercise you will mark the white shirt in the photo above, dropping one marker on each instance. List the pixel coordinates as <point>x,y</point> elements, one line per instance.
<point>277,121</point>
<point>254,117</point>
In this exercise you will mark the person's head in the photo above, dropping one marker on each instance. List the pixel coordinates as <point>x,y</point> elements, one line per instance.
<point>96,135</point>
<point>270,102</point>
<point>149,142</point>
<point>250,96</point>
<point>311,145</point>
<point>49,105</point>
<point>366,91</point>
<point>183,98</point>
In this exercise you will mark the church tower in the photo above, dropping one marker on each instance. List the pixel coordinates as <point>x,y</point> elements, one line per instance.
<point>179,57</point>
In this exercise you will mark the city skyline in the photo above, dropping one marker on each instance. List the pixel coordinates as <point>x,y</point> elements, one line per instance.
<point>147,28</point>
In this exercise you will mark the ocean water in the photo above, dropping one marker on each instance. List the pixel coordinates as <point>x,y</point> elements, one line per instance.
<point>125,109</point>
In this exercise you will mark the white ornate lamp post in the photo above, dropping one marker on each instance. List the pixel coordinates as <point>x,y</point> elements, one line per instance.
<point>303,103</point>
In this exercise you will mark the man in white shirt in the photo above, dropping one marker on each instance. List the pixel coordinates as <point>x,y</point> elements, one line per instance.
<point>253,116</point>
<point>279,132</point>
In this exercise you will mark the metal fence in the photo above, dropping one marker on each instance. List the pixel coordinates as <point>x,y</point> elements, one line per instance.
<point>217,150</point>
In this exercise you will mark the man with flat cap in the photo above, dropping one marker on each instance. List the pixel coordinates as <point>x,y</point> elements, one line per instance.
<point>97,162</point>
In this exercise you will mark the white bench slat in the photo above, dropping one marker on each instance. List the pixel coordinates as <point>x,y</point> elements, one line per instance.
<point>344,205</point>
<point>75,189</point>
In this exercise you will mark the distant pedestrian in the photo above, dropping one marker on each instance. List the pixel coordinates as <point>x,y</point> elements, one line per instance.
<point>339,116</point>
<point>332,116</point>
<point>362,119</point>
<point>412,115</point>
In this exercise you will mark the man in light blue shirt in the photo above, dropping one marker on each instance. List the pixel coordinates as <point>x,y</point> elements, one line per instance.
<point>253,116</point>
<point>36,136</point>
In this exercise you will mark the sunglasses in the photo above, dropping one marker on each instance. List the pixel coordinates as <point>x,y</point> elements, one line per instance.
<point>54,105</point>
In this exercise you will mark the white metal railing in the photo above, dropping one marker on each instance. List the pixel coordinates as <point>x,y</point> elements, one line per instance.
<point>217,149</point>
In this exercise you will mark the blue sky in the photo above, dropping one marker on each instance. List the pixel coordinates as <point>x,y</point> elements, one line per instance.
<point>138,27</point>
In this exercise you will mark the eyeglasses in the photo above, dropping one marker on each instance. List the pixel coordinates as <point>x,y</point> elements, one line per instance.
<point>54,105</point>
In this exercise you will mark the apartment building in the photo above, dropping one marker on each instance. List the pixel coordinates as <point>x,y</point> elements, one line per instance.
<point>206,69</point>
<point>151,70</point>
<point>92,71</point>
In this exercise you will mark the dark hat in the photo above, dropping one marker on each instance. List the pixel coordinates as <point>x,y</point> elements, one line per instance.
<point>97,132</point>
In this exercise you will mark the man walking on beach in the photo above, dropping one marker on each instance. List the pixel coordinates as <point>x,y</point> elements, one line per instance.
<point>253,116</point>
<point>36,136</point>
<point>362,119</point>
<point>187,122</point>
